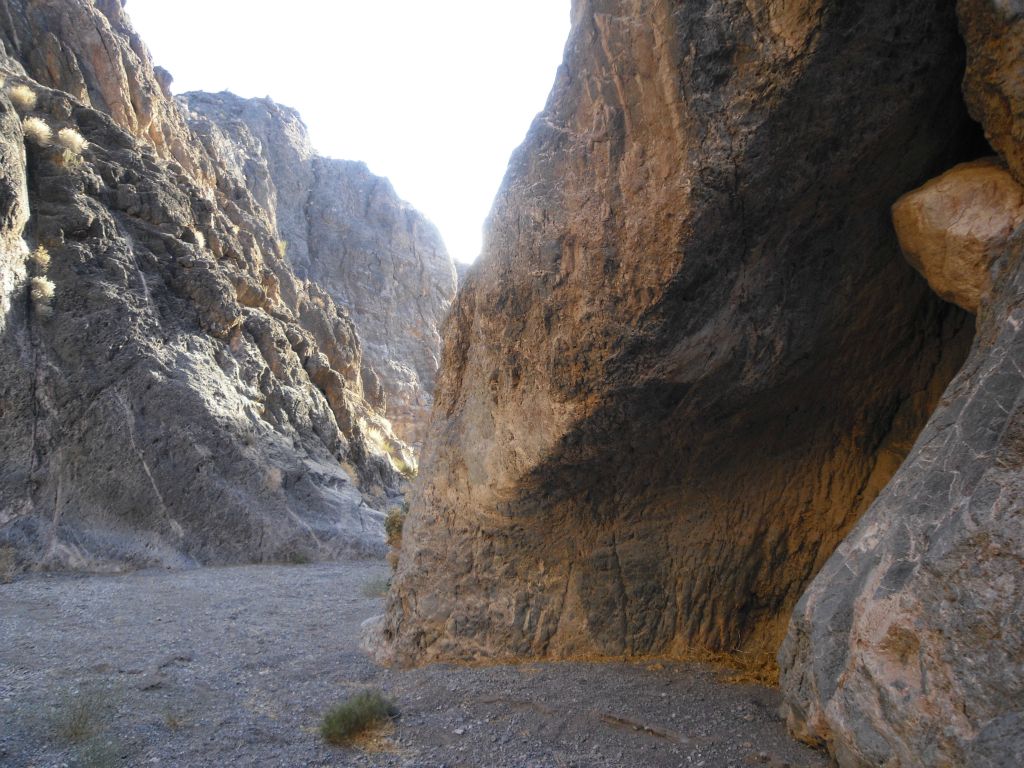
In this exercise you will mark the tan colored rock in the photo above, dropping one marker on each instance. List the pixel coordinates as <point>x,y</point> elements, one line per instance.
<point>994,80</point>
<point>953,227</point>
<point>691,353</point>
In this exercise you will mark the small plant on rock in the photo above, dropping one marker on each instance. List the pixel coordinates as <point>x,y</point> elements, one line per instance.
<point>365,710</point>
<point>41,291</point>
<point>41,259</point>
<point>22,97</point>
<point>71,140</point>
<point>37,131</point>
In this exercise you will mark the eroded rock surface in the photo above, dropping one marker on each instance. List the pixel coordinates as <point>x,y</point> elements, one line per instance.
<point>955,227</point>
<point>691,354</point>
<point>182,396</point>
<point>994,82</point>
<point>346,230</point>
<point>908,648</point>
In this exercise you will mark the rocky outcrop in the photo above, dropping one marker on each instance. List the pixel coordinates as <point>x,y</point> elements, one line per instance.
<point>994,81</point>
<point>347,231</point>
<point>172,393</point>
<point>956,226</point>
<point>907,648</point>
<point>691,354</point>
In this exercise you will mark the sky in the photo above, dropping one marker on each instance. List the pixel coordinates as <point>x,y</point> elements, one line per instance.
<point>433,94</point>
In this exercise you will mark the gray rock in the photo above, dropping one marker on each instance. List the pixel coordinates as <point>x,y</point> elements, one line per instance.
<point>183,397</point>
<point>346,230</point>
<point>907,648</point>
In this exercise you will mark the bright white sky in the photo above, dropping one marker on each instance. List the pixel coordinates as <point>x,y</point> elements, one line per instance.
<point>433,94</point>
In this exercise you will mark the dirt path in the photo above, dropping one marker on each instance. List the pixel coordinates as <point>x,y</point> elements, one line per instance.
<point>236,666</point>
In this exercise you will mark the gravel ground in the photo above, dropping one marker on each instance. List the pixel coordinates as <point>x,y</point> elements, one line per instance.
<point>236,666</point>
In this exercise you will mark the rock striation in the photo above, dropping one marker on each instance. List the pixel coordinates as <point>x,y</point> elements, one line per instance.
<point>347,231</point>
<point>171,390</point>
<point>691,354</point>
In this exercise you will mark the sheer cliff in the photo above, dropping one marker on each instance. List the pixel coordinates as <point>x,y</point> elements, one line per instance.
<point>347,231</point>
<point>174,391</point>
<point>695,359</point>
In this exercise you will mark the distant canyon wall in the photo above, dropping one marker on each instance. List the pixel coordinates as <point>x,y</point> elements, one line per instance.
<point>175,390</point>
<point>347,231</point>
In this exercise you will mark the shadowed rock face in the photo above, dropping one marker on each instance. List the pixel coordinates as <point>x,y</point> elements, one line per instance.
<point>347,231</point>
<point>183,397</point>
<point>907,648</point>
<point>691,354</point>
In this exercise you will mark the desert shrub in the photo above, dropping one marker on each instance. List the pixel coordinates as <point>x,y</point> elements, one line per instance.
<point>359,714</point>
<point>41,259</point>
<point>72,140</point>
<point>394,521</point>
<point>80,717</point>
<point>22,97</point>
<point>37,131</point>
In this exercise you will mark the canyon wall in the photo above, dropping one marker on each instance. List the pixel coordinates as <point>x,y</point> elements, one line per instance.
<point>908,648</point>
<point>173,392</point>
<point>347,231</point>
<point>692,353</point>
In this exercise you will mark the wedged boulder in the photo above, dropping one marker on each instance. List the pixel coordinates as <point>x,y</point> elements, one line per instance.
<point>954,227</point>
<point>994,81</point>
<point>908,647</point>
<point>691,354</point>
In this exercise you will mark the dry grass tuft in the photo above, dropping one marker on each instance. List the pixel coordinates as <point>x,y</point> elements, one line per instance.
<point>42,290</point>
<point>37,131</point>
<point>22,97</point>
<point>739,667</point>
<point>362,713</point>
<point>41,258</point>
<point>72,140</point>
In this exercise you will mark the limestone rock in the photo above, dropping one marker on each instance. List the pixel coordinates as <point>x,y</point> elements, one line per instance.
<point>908,648</point>
<point>994,81</point>
<point>691,353</point>
<point>178,395</point>
<point>953,228</point>
<point>346,230</point>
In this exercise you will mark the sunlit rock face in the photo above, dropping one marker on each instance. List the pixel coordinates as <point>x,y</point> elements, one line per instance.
<point>907,648</point>
<point>183,396</point>
<point>954,227</point>
<point>691,354</point>
<point>346,230</point>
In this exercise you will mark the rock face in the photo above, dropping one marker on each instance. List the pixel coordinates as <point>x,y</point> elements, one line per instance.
<point>172,392</point>
<point>908,649</point>
<point>691,354</point>
<point>994,82</point>
<point>346,230</point>
<point>954,227</point>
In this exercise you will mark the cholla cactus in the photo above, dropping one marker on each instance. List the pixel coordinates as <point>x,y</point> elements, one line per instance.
<point>71,140</point>
<point>41,291</point>
<point>22,97</point>
<point>37,131</point>
<point>41,258</point>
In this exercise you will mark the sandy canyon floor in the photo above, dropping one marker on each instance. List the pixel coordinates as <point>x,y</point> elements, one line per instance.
<point>236,666</point>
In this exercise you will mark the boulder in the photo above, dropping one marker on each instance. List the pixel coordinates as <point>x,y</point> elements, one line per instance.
<point>954,227</point>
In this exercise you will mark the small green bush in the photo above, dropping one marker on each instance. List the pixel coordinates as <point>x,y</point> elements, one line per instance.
<point>359,714</point>
<point>376,587</point>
